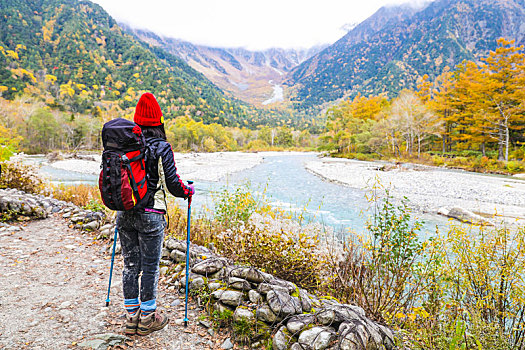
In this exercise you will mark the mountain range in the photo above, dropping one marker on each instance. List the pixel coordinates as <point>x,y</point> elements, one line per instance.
<point>247,75</point>
<point>397,45</point>
<point>77,42</point>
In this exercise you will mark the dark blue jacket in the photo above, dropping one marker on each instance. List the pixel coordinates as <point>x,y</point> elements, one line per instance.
<point>162,174</point>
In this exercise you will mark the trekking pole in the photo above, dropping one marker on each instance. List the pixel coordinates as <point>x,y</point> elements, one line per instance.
<point>112,262</point>
<point>187,259</point>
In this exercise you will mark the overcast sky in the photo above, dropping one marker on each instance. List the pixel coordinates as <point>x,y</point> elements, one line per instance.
<point>253,24</point>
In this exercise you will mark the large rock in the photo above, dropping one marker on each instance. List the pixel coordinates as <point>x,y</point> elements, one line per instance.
<point>178,256</point>
<point>306,302</point>
<point>264,288</point>
<point>365,334</point>
<point>104,341</point>
<point>239,283</point>
<point>464,215</point>
<point>243,314</point>
<point>317,338</point>
<point>282,339</point>
<point>282,304</point>
<point>172,243</point>
<point>264,313</point>
<point>255,297</point>
<point>245,272</point>
<point>91,226</point>
<point>336,314</point>
<point>209,266</point>
<point>297,323</point>
<point>228,297</point>
<point>197,283</point>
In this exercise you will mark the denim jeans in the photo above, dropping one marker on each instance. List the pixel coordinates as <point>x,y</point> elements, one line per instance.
<point>141,236</point>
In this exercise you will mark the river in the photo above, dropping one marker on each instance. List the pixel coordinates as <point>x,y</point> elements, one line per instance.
<point>277,95</point>
<point>286,184</point>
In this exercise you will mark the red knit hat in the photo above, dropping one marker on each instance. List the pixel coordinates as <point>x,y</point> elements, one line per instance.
<point>147,112</point>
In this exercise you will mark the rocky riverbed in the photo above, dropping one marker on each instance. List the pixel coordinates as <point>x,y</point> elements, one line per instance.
<point>430,189</point>
<point>195,166</point>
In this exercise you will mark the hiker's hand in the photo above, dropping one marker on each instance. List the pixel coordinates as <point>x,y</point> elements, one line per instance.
<point>192,190</point>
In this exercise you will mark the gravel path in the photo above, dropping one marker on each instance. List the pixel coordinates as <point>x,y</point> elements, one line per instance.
<point>430,188</point>
<point>53,284</point>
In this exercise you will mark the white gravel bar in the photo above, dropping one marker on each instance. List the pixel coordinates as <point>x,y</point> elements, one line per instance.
<point>431,188</point>
<point>195,166</point>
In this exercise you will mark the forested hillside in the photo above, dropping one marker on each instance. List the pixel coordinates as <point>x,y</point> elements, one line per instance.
<point>397,46</point>
<point>75,57</point>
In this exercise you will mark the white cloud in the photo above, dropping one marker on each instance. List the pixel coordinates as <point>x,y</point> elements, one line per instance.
<point>243,23</point>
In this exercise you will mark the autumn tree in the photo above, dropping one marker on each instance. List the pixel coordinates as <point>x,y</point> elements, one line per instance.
<point>502,92</point>
<point>436,96</point>
<point>412,120</point>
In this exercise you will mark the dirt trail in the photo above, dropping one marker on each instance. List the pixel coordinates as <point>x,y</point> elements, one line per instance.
<point>53,285</point>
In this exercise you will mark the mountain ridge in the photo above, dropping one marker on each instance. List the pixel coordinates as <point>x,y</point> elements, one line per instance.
<point>394,47</point>
<point>243,73</point>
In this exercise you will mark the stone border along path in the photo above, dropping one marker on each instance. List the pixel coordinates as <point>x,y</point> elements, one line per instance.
<point>53,293</point>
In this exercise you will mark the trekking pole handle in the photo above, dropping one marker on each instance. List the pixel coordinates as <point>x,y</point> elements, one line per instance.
<point>190,197</point>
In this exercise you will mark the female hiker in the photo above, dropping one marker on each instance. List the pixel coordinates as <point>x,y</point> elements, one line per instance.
<point>141,231</point>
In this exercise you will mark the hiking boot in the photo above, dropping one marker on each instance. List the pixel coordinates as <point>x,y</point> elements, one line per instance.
<point>151,323</point>
<point>132,322</point>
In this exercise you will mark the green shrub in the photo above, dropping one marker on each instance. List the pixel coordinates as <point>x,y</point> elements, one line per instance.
<point>384,270</point>
<point>515,166</point>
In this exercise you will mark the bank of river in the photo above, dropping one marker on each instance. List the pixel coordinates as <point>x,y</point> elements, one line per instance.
<point>430,188</point>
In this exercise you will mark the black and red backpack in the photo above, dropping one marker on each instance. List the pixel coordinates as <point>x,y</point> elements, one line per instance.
<point>122,183</point>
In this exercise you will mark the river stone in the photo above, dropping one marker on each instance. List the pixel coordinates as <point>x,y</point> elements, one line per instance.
<point>26,208</point>
<point>464,215</point>
<point>197,283</point>
<point>281,339</point>
<point>219,275</point>
<point>106,227</point>
<point>175,244</point>
<point>264,313</point>
<point>339,313</point>
<point>213,286</point>
<point>77,218</point>
<point>209,266</point>
<point>228,297</point>
<point>317,338</point>
<point>248,273</point>
<point>297,346</point>
<point>254,297</point>
<point>192,276</point>
<point>282,304</point>
<point>178,256</point>
<point>353,335</point>
<point>104,341</point>
<point>264,288</point>
<point>165,253</point>
<point>221,308</point>
<point>90,226</point>
<point>239,283</point>
<point>227,344</point>
<point>299,322</point>
<point>242,313</point>
<point>306,303</point>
